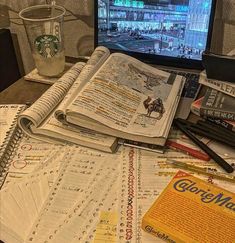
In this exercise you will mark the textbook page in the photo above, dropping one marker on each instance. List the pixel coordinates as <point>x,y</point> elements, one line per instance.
<point>30,155</point>
<point>98,57</point>
<point>80,172</point>
<point>122,94</point>
<point>53,130</point>
<point>49,100</point>
<point>40,120</point>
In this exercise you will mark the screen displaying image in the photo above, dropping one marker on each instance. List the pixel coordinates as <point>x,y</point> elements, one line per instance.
<point>175,28</point>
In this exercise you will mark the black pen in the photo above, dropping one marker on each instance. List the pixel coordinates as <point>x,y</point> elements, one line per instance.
<point>209,132</point>
<point>220,161</point>
<point>200,130</point>
<point>217,128</point>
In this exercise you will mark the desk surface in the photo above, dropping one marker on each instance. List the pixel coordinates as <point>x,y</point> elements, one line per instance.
<point>22,92</point>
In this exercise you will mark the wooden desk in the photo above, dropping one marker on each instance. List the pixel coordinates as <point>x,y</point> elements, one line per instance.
<point>22,92</point>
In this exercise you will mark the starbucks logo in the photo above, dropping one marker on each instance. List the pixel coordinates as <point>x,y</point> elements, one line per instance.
<point>47,45</point>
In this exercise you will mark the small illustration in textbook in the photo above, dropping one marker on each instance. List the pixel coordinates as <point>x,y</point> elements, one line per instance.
<point>154,110</point>
<point>150,80</point>
<point>155,105</point>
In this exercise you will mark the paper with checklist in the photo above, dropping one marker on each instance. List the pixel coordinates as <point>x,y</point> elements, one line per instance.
<point>94,197</point>
<point>31,155</point>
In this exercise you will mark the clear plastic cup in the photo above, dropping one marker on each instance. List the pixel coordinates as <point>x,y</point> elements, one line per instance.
<point>44,28</point>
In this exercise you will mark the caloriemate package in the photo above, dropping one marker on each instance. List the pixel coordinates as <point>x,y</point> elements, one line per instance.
<point>192,210</point>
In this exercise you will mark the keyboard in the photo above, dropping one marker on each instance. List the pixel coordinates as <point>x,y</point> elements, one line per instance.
<point>191,86</point>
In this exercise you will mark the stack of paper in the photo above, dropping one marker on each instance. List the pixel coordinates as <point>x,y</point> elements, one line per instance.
<point>86,184</point>
<point>93,197</point>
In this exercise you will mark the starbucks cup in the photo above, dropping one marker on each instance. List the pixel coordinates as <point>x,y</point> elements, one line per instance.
<point>44,28</point>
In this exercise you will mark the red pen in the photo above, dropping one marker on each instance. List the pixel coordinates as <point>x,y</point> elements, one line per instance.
<point>193,152</point>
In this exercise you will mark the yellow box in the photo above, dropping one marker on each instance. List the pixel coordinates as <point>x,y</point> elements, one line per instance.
<point>192,210</point>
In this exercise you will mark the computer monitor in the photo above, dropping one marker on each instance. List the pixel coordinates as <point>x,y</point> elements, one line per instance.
<point>165,32</point>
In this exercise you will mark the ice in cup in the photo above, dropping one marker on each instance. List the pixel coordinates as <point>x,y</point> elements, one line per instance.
<point>44,28</point>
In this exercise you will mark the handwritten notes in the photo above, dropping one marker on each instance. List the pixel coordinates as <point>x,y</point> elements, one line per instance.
<point>106,229</point>
<point>8,115</point>
<point>94,197</point>
<point>76,192</point>
<point>20,204</point>
<point>29,155</point>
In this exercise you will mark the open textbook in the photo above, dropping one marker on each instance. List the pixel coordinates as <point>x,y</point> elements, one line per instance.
<point>115,95</point>
<point>125,98</point>
<point>38,120</point>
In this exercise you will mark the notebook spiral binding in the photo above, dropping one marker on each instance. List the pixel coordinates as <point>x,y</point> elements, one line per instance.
<point>8,147</point>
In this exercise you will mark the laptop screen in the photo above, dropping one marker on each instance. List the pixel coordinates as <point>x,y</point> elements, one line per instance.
<point>167,32</point>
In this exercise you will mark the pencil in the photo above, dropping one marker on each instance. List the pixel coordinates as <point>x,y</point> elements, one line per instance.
<point>193,152</point>
<point>201,170</point>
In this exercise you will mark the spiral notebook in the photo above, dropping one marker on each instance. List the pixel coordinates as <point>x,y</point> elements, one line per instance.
<point>9,134</point>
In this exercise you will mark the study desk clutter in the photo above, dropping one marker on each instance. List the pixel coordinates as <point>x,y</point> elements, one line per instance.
<point>151,171</point>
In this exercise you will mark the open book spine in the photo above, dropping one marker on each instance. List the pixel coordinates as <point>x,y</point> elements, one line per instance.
<point>8,147</point>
